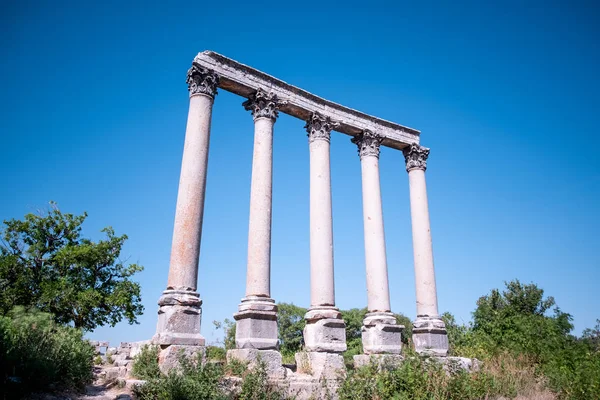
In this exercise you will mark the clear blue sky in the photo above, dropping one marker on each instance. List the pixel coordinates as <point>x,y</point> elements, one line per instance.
<point>94,104</point>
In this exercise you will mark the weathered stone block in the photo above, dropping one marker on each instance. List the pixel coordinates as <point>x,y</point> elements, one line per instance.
<point>430,336</point>
<point>256,325</point>
<point>321,365</point>
<point>325,335</point>
<point>170,357</point>
<point>253,357</point>
<point>381,334</point>
<point>179,319</point>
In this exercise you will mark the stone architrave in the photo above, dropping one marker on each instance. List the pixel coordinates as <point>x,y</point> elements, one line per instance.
<point>429,331</point>
<point>256,319</point>
<point>180,312</point>
<point>380,332</point>
<point>325,330</point>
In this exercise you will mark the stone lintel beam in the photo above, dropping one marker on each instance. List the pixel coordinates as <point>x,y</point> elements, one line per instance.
<point>244,81</point>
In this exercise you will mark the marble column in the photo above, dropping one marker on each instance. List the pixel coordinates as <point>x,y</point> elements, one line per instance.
<point>380,332</point>
<point>256,320</point>
<point>325,329</point>
<point>429,331</point>
<point>179,314</point>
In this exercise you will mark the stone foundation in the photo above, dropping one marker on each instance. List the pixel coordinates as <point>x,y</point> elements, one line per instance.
<point>430,336</point>
<point>320,365</point>
<point>252,357</point>
<point>169,356</point>
<point>256,324</point>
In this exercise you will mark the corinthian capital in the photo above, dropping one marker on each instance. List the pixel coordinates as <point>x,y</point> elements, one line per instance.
<point>415,157</point>
<point>319,127</point>
<point>264,105</point>
<point>201,80</point>
<point>368,143</point>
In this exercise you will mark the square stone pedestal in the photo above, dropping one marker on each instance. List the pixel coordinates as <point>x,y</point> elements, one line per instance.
<point>325,330</point>
<point>325,335</point>
<point>253,357</point>
<point>381,361</point>
<point>381,334</point>
<point>320,365</point>
<point>430,336</point>
<point>179,319</point>
<point>256,324</point>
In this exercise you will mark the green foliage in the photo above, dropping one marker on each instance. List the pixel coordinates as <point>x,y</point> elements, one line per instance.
<point>290,322</point>
<point>38,354</point>
<point>216,353</point>
<point>420,378</point>
<point>256,387</point>
<point>45,263</point>
<point>229,327</point>
<point>520,321</point>
<point>145,364</point>
<point>192,380</point>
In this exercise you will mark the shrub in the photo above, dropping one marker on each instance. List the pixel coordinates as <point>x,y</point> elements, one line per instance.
<point>215,353</point>
<point>192,380</point>
<point>37,354</point>
<point>145,364</point>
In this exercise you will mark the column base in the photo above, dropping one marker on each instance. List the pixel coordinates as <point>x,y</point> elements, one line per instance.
<point>179,319</point>
<point>381,334</point>
<point>252,357</point>
<point>256,324</point>
<point>320,365</point>
<point>430,336</point>
<point>325,330</point>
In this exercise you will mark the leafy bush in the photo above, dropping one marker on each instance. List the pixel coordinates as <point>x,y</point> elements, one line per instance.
<point>38,354</point>
<point>192,380</point>
<point>145,365</point>
<point>216,353</point>
<point>425,379</point>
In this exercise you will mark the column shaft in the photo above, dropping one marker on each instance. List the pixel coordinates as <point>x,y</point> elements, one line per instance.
<point>180,313</point>
<point>325,330</point>
<point>378,293</point>
<point>187,232</point>
<point>256,319</point>
<point>322,289</point>
<point>429,330</point>
<point>258,280</point>
<point>422,248</point>
<point>380,332</point>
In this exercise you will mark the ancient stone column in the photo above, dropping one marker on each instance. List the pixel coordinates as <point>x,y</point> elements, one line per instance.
<point>429,331</point>
<point>256,326</point>
<point>180,312</point>
<point>380,332</point>
<point>325,329</point>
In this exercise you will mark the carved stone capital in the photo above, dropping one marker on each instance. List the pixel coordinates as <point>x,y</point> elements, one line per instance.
<point>415,157</point>
<point>202,80</point>
<point>368,143</point>
<point>319,127</point>
<point>264,105</point>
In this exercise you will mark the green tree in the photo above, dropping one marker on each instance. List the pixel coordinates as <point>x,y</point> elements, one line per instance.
<point>45,263</point>
<point>519,319</point>
<point>290,321</point>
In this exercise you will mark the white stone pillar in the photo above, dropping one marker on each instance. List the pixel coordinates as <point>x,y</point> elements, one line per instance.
<point>325,329</point>
<point>180,312</point>
<point>380,332</point>
<point>429,331</point>
<point>256,326</point>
